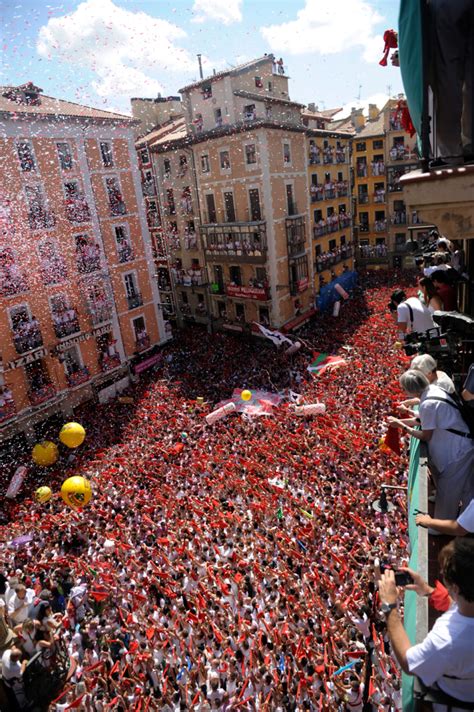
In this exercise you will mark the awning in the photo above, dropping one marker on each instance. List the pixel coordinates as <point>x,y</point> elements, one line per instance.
<point>298,320</point>
<point>147,363</point>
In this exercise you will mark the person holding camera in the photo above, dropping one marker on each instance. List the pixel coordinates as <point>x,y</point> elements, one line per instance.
<point>461,526</point>
<point>411,314</point>
<point>450,446</point>
<point>444,659</point>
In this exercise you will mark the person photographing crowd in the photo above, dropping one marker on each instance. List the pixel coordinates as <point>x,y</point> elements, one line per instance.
<point>411,315</point>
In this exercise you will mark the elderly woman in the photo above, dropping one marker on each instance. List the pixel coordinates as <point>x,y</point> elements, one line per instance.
<point>450,447</point>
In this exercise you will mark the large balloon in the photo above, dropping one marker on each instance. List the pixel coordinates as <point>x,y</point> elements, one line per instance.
<point>43,494</point>
<point>45,453</point>
<point>76,491</point>
<point>246,395</point>
<point>72,435</point>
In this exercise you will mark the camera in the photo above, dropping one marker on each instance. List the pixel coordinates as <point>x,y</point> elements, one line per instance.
<point>402,578</point>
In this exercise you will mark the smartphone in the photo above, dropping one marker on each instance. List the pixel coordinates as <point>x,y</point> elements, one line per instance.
<point>403,578</point>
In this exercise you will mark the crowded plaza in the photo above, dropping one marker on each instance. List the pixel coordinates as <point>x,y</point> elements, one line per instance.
<point>225,566</point>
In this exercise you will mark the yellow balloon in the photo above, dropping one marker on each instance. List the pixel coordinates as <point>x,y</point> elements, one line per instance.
<point>72,435</point>
<point>43,494</point>
<point>45,453</point>
<point>76,491</point>
<point>246,395</point>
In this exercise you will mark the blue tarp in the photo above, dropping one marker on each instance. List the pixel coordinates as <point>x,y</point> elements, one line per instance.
<point>328,295</point>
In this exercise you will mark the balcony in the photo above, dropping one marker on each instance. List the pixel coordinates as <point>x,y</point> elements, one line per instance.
<point>41,219</point>
<point>328,156</point>
<point>217,288</point>
<point>190,241</point>
<point>99,313</point>
<point>153,219</point>
<point>87,263</point>
<point>82,375</point>
<point>117,207</point>
<point>28,341</point>
<point>7,410</point>
<point>363,199</point>
<point>235,242</point>
<point>340,156</point>
<point>326,260</point>
<point>142,342</point>
<point>149,188</point>
<point>320,229</point>
<point>134,300</point>
<point>379,197</point>
<point>53,270</point>
<point>316,192</point>
<point>342,189</point>
<point>42,394</point>
<point>191,278</point>
<point>380,226</point>
<point>125,253</point>
<point>109,362</point>
<point>399,217</point>
<point>295,235</point>
<point>373,252</point>
<point>377,168</point>
<point>314,158</point>
<point>261,294</point>
<point>344,220</point>
<point>77,210</point>
<point>362,172</point>
<point>329,192</point>
<point>67,328</point>
<point>401,153</point>
<point>300,286</point>
<point>11,285</point>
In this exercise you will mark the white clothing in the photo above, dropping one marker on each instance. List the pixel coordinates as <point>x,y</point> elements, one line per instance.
<point>18,607</point>
<point>446,654</point>
<point>444,447</point>
<point>444,382</point>
<point>10,669</point>
<point>422,319</point>
<point>466,519</point>
<point>428,271</point>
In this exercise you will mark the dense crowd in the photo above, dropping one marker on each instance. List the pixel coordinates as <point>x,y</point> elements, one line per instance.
<point>229,566</point>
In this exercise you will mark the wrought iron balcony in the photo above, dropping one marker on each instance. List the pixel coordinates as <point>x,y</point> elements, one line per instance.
<point>134,300</point>
<point>7,411</point>
<point>82,375</point>
<point>237,241</point>
<point>142,343</point>
<point>77,211</point>
<point>68,328</point>
<point>29,341</point>
<point>41,219</point>
<point>41,395</point>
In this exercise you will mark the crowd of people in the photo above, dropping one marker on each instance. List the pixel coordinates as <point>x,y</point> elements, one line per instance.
<point>224,567</point>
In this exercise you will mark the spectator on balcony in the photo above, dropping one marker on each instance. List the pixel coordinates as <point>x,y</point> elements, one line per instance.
<point>411,315</point>
<point>462,526</point>
<point>439,262</point>
<point>313,153</point>
<point>431,298</point>
<point>450,447</point>
<point>444,658</point>
<point>281,67</point>
<point>427,365</point>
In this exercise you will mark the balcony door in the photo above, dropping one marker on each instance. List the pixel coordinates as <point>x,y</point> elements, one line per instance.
<point>211,208</point>
<point>229,207</point>
<point>254,199</point>
<point>290,200</point>
<point>219,276</point>
<point>130,285</point>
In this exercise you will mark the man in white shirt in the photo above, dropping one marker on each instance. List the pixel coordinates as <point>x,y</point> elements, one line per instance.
<point>461,526</point>
<point>445,657</point>
<point>19,604</point>
<point>412,316</point>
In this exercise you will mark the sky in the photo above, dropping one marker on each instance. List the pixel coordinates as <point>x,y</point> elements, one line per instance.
<point>102,52</point>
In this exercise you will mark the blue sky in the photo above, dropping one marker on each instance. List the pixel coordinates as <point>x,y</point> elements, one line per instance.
<point>102,52</point>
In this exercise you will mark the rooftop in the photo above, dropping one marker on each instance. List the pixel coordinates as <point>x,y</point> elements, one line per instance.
<point>172,130</point>
<point>373,127</point>
<point>28,99</point>
<point>229,72</point>
<point>265,97</point>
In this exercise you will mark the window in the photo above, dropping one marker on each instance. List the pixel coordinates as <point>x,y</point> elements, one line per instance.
<point>290,202</point>
<point>378,158</point>
<point>184,297</point>
<point>341,209</point>
<point>258,82</point>
<point>340,177</point>
<point>167,168</point>
<point>117,205</point>
<point>250,112</point>
<point>207,91</point>
<point>332,244</point>
<point>398,141</point>
<point>205,167</point>
<point>222,310</point>
<point>224,158</point>
<point>142,340</point>
<point>240,312</point>
<point>329,212</point>
<point>229,207</point>
<point>286,154</point>
<point>235,275</point>
<point>134,298</point>
<point>124,245</point>
<point>269,86</point>
<point>400,238</point>
<point>318,250</point>
<point>317,215</point>
<point>250,154</point>
<point>218,116</point>
<point>211,208</point>
<point>72,361</point>
<point>264,316</point>
<point>87,254</point>
<point>377,145</point>
<point>170,201</point>
<point>144,156</point>
<point>65,156</point>
<point>254,199</point>
<point>53,267</point>
<point>12,280</point>
<point>343,240</point>
<point>26,156</point>
<point>360,146</point>
<point>106,154</point>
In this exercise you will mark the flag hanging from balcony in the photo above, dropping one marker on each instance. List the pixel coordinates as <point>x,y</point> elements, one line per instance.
<point>276,337</point>
<point>325,362</point>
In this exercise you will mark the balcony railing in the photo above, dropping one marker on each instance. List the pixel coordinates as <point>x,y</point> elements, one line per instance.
<point>41,219</point>
<point>329,259</point>
<point>100,313</point>
<point>10,286</point>
<point>239,241</point>
<point>399,217</point>
<point>82,375</point>
<point>87,263</point>
<point>53,271</point>
<point>239,291</point>
<point>153,219</point>
<point>66,329</point>
<point>380,226</point>
<point>149,188</point>
<point>379,197</point>
<point>125,254</point>
<point>27,342</point>
<point>190,242</point>
<point>329,193</point>
<point>344,220</point>
<point>340,156</point>
<point>191,278</point>
<point>377,169</point>
<point>363,199</point>
<point>328,157</point>
<point>134,300</point>
<point>370,251</point>
<point>362,172</point>
<point>41,395</point>
<point>7,411</point>
<point>316,193</point>
<point>142,343</point>
<point>342,189</point>
<point>314,159</point>
<point>77,211</point>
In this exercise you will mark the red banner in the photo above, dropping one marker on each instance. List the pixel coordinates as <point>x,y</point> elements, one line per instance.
<point>247,292</point>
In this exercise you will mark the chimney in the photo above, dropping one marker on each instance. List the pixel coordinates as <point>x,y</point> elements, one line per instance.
<point>312,107</point>
<point>373,112</point>
<point>200,66</point>
<point>357,118</point>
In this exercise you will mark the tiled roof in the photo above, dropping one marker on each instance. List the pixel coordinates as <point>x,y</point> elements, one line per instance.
<point>342,125</point>
<point>49,106</point>
<point>265,97</point>
<point>227,72</point>
<point>173,130</point>
<point>372,128</point>
<point>329,113</point>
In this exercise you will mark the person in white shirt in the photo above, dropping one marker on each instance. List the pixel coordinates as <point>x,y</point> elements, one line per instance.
<point>461,526</point>
<point>445,657</point>
<point>411,315</point>
<point>19,604</point>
